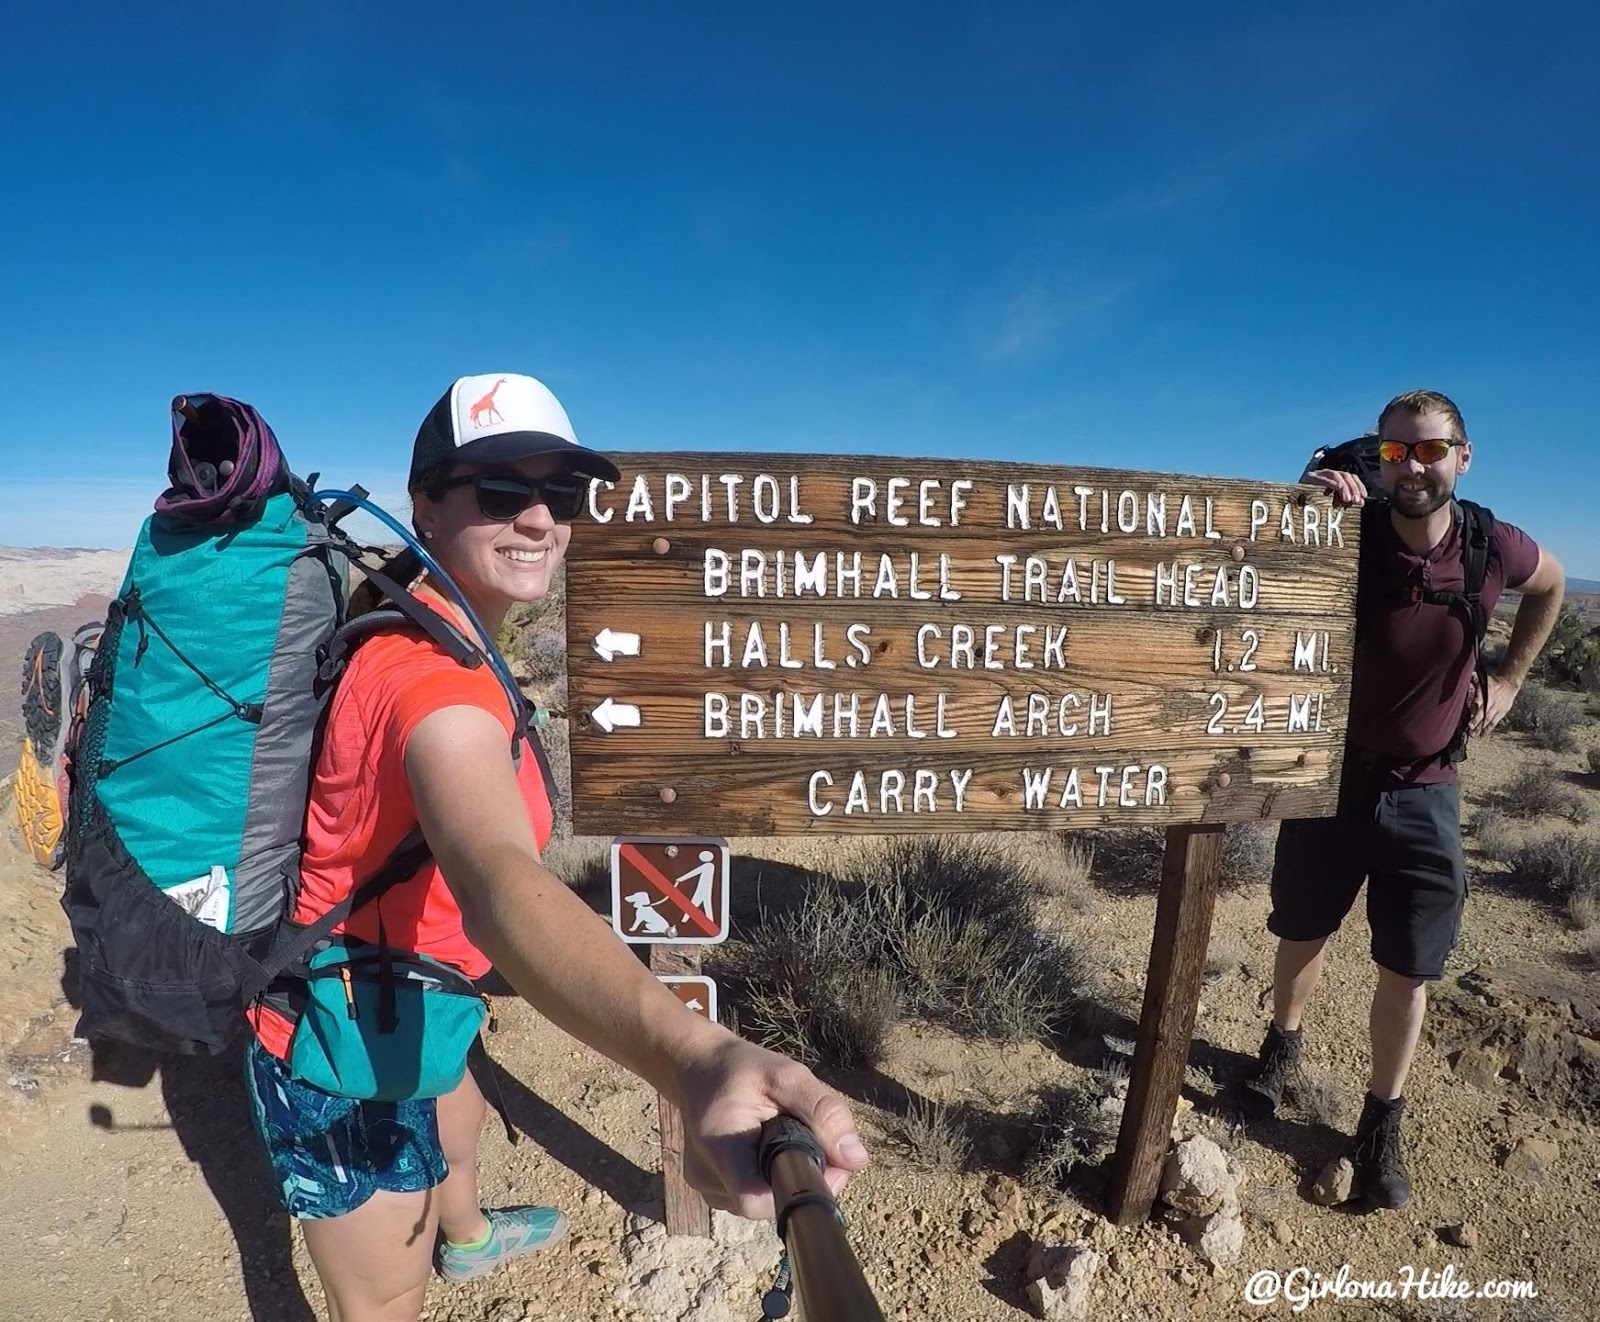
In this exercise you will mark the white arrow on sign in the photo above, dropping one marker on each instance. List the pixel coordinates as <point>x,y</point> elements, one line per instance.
<point>612,643</point>
<point>610,714</point>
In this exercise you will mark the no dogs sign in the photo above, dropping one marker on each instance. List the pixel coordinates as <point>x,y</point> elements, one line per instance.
<point>670,891</point>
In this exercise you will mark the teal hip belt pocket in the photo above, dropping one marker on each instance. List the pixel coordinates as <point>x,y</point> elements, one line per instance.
<point>385,1025</point>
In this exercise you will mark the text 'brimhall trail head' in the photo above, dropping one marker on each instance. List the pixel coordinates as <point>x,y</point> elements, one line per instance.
<point>767,645</point>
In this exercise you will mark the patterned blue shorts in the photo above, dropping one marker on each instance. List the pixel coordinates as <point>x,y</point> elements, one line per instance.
<point>330,1154</point>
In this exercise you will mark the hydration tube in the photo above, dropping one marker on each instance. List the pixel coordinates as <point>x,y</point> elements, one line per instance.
<point>491,653</point>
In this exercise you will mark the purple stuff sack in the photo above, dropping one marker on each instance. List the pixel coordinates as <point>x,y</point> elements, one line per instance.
<point>225,462</point>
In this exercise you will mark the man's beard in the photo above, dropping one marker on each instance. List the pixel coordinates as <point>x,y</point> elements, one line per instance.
<point>1419,504</point>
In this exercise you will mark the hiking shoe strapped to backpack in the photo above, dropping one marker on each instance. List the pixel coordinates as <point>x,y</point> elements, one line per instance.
<point>54,672</point>
<point>1276,1064</point>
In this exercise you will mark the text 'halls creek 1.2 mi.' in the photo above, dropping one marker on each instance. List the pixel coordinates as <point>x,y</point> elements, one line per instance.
<point>764,645</point>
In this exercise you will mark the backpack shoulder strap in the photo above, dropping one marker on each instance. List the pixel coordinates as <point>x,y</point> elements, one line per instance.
<point>408,856</point>
<point>1477,542</point>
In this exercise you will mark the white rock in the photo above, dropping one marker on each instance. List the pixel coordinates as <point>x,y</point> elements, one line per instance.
<point>1196,1178</point>
<point>1335,1184</point>
<point>1060,1279</point>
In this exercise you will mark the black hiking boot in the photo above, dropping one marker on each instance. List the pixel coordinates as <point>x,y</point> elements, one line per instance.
<point>1278,1058</point>
<point>1380,1173</point>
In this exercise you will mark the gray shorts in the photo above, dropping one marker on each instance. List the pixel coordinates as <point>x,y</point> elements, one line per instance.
<point>1404,842</point>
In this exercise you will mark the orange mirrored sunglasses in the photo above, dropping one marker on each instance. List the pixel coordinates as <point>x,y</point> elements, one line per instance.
<point>1427,452</point>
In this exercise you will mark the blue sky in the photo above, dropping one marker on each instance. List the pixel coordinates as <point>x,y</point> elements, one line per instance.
<point>1184,238</point>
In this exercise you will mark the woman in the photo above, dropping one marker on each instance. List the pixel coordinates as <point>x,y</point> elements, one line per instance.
<point>415,738</point>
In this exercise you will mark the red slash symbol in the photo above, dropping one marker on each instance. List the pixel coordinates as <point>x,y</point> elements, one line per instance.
<point>650,872</point>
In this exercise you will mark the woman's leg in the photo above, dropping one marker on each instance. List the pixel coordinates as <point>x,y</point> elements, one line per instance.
<point>374,1262</point>
<point>476,1242</point>
<point>461,1116</point>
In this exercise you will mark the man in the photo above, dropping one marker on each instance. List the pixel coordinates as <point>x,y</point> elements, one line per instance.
<point>1415,694</point>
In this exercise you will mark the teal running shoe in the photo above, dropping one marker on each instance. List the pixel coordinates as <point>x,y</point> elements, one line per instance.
<point>513,1232</point>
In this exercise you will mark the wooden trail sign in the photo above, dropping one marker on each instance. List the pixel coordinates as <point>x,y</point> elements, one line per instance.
<point>767,645</point>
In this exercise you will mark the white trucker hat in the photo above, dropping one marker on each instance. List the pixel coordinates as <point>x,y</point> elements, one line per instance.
<point>500,417</point>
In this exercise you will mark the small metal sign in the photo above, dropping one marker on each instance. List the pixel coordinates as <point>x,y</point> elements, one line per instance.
<point>669,890</point>
<point>698,994</point>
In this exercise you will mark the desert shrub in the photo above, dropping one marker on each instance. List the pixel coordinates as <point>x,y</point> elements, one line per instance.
<point>1069,875</point>
<point>1127,859</point>
<point>1321,1096</point>
<point>940,929</point>
<point>934,1137</point>
<point>1571,656</point>
<point>1247,854</point>
<point>1549,720</point>
<point>544,654</point>
<point>843,1019</point>
<point>1594,760</point>
<point>1541,791</point>
<point>812,987</point>
<point>1492,834</point>
<point>1066,1129</point>
<point>956,926</point>
<point>1565,865</point>
<point>580,861</point>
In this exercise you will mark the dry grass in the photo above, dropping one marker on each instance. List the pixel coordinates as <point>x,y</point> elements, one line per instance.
<point>1322,1096</point>
<point>1594,760</point>
<point>1066,1129</point>
<point>1492,834</point>
<point>935,1138</point>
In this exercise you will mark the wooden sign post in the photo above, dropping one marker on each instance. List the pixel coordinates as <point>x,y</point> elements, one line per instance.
<point>821,645</point>
<point>686,1210</point>
<point>671,893</point>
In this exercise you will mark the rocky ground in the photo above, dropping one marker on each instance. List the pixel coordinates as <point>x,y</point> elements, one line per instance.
<point>134,1189</point>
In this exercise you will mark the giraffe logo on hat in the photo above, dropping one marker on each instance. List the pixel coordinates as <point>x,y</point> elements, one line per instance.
<point>484,411</point>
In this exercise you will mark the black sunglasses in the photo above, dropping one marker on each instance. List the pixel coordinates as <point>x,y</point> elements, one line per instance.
<point>503,498</point>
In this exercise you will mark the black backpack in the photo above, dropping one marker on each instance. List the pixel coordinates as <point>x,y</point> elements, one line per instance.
<point>1360,456</point>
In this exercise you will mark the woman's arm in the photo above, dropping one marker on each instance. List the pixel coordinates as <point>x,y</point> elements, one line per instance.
<point>566,962</point>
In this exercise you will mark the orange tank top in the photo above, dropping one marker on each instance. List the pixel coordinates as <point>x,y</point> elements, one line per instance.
<point>360,805</point>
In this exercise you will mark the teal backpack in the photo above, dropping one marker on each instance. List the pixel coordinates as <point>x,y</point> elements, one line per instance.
<point>189,775</point>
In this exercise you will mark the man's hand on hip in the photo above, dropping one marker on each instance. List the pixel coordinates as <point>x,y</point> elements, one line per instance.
<point>1486,716</point>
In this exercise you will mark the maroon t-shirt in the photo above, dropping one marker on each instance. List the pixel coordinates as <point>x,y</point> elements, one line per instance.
<point>1414,660</point>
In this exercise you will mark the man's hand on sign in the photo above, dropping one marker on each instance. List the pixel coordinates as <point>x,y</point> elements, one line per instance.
<point>1502,693</point>
<point>727,1094</point>
<point>1347,488</point>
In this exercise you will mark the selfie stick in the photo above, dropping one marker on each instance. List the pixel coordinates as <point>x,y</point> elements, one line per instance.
<point>827,1276</point>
